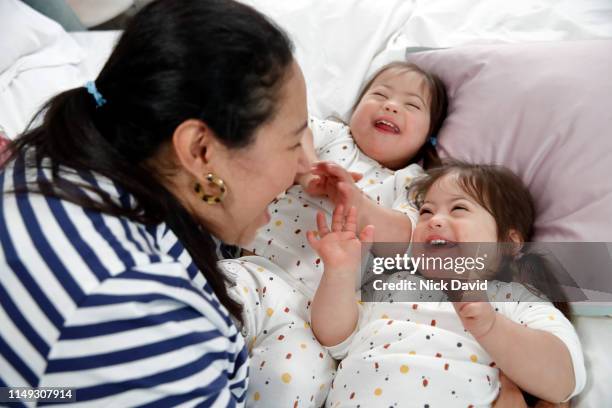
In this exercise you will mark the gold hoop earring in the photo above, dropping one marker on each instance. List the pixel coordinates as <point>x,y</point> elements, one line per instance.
<point>213,180</point>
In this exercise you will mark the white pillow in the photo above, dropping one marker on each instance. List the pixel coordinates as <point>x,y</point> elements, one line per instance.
<point>543,110</point>
<point>335,43</point>
<point>31,40</point>
<point>38,59</point>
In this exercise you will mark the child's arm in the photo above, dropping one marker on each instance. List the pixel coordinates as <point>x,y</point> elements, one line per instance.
<point>391,226</point>
<point>334,312</point>
<point>330,179</point>
<point>536,360</point>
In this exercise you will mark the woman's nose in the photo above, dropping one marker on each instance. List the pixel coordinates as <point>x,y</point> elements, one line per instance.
<point>303,165</point>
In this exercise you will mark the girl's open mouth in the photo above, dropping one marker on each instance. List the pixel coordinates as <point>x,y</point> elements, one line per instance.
<point>439,243</point>
<point>386,126</point>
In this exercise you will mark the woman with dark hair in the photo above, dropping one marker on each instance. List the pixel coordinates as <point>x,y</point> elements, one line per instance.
<point>109,281</point>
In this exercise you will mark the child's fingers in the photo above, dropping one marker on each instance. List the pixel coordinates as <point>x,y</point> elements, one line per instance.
<point>338,219</point>
<point>312,240</point>
<point>314,187</point>
<point>317,166</point>
<point>322,224</point>
<point>332,170</point>
<point>350,224</point>
<point>322,169</point>
<point>338,172</point>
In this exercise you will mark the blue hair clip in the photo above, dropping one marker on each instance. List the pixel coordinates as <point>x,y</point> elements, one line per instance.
<point>433,141</point>
<point>93,91</point>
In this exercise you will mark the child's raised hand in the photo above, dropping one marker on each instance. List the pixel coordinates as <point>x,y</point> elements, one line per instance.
<point>477,317</point>
<point>334,181</point>
<point>340,249</point>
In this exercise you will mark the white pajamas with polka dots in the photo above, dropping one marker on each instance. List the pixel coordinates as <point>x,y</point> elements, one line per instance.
<point>283,240</point>
<point>419,354</point>
<point>401,354</point>
<point>287,367</point>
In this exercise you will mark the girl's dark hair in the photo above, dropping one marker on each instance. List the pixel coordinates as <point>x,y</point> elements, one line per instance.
<point>218,61</point>
<point>438,107</point>
<point>505,197</point>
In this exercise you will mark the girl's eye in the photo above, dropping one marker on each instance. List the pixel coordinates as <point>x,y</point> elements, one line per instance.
<point>425,211</point>
<point>458,207</point>
<point>379,94</point>
<point>413,105</point>
<point>297,146</point>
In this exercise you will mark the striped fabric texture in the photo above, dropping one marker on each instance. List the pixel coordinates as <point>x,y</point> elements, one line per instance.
<point>112,308</point>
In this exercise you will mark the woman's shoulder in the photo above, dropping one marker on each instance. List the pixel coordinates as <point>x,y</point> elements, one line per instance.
<point>54,227</point>
<point>96,288</point>
<point>82,252</point>
<point>47,232</point>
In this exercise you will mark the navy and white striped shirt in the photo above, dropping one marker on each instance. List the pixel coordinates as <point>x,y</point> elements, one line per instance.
<point>107,306</point>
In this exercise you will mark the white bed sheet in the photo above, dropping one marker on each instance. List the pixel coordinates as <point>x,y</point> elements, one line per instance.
<point>596,336</point>
<point>97,46</point>
<point>27,90</point>
<point>339,43</point>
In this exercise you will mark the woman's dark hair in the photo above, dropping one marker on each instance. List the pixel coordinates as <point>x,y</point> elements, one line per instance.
<point>218,61</point>
<point>438,107</point>
<point>505,197</point>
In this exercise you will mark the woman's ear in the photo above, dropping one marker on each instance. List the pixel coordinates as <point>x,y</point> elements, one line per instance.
<point>194,143</point>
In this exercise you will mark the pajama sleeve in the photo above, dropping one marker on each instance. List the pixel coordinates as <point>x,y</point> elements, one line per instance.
<point>340,350</point>
<point>538,314</point>
<point>324,132</point>
<point>403,202</point>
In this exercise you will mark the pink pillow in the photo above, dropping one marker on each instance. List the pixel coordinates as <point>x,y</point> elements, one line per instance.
<point>545,111</point>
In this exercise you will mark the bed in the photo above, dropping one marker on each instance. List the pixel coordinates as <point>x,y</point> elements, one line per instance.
<point>507,66</point>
